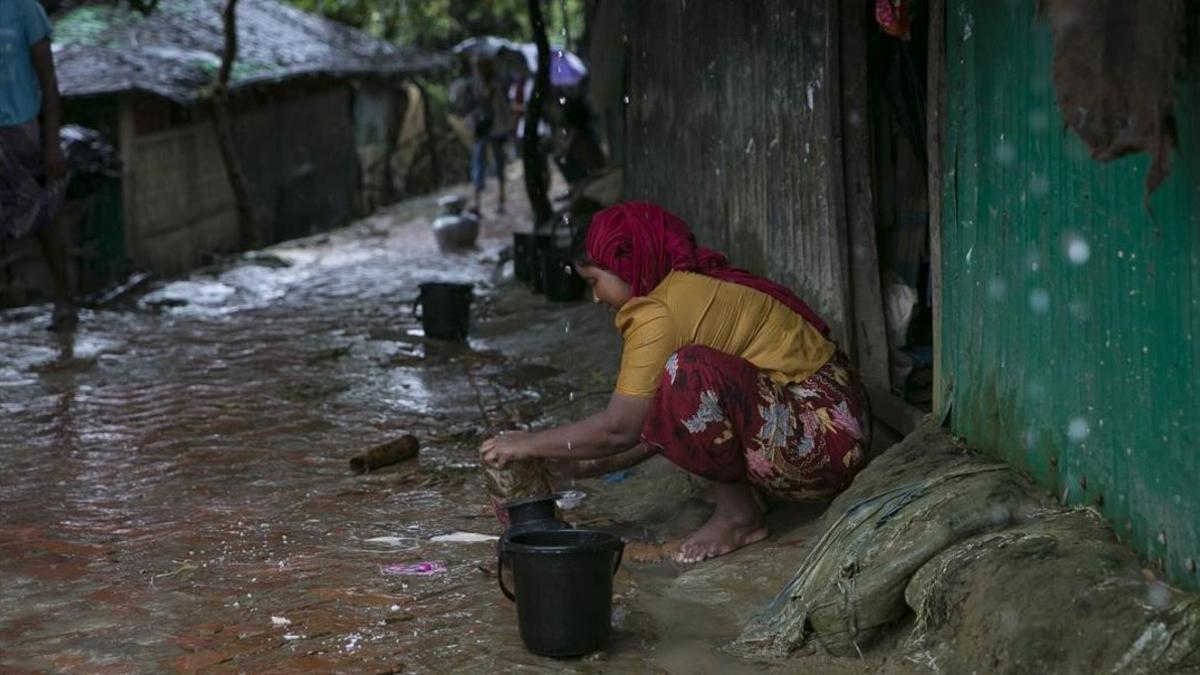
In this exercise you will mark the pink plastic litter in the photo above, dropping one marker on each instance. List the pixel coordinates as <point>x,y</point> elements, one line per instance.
<point>425,568</point>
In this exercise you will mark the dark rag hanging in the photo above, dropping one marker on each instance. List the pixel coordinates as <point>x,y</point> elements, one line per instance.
<point>1114,74</point>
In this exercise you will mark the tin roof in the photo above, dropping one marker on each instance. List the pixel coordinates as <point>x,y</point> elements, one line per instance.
<point>175,52</point>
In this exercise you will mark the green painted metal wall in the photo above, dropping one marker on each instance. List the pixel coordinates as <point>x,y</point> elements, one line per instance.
<point>1071,315</point>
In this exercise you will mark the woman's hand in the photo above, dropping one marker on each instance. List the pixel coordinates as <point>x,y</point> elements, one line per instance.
<point>55,161</point>
<point>505,447</point>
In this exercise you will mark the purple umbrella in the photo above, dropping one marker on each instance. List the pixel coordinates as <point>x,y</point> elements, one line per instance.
<point>566,69</point>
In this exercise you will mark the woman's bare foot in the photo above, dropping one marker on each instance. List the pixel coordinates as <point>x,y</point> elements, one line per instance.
<point>737,522</point>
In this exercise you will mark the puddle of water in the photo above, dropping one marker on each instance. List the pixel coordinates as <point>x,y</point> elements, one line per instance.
<point>180,478</point>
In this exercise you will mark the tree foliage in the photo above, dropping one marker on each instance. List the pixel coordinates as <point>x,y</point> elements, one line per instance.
<point>440,24</point>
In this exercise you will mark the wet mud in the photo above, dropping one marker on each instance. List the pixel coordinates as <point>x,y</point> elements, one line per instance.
<point>176,492</point>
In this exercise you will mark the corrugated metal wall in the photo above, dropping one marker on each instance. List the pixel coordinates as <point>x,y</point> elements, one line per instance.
<point>179,206</point>
<point>297,151</point>
<point>1070,326</point>
<point>733,122</point>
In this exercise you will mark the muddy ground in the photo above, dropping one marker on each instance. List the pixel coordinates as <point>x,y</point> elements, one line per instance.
<point>176,492</point>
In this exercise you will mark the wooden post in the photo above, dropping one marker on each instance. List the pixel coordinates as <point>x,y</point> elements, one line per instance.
<point>870,334</point>
<point>435,164</point>
<point>247,230</point>
<point>127,140</point>
<point>535,162</point>
<point>935,96</point>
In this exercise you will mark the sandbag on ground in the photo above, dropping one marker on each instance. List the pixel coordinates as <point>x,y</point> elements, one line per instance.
<point>912,502</point>
<point>1056,594</point>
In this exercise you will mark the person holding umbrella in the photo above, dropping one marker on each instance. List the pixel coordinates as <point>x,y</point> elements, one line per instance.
<point>491,124</point>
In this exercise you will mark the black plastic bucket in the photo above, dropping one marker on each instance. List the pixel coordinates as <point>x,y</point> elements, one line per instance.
<point>444,309</point>
<point>563,588</point>
<point>559,278</point>
<point>527,248</point>
<point>533,513</point>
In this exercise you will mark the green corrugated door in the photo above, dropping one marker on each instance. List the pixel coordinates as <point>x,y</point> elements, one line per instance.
<point>1070,327</point>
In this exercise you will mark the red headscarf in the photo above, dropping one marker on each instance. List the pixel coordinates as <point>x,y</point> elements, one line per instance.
<point>642,242</point>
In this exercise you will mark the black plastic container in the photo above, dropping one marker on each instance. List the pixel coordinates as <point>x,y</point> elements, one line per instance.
<point>444,309</point>
<point>563,588</point>
<point>560,280</point>
<point>527,248</point>
<point>532,514</point>
<point>543,245</point>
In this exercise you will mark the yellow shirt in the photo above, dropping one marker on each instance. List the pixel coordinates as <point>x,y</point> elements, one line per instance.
<point>692,309</point>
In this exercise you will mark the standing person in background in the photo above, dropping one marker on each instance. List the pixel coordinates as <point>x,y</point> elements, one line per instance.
<point>518,93</point>
<point>33,170</point>
<point>491,120</point>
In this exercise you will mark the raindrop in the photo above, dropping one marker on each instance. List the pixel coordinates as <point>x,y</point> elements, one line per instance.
<point>1010,620</point>
<point>1078,250</point>
<point>1039,185</point>
<point>1039,120</point>
<point>1158,595</point>
<point>1077,430</point>
<point>1033,259</point>
<point>1029,438</point>
<point>1005,152</point>
<point>997,288</point>
<point>1039,301</point>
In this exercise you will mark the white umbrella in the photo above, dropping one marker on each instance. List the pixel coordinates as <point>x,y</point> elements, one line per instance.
<point>505,53</point>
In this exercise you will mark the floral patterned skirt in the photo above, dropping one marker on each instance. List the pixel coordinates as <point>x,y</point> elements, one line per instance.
<point>28,200</point>
<point>720,417</point>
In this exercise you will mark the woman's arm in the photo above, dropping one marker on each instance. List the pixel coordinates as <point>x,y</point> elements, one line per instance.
<point>613,430</point>
<point>588,468</point>
<point>43,64</point>
<point>608,432</point>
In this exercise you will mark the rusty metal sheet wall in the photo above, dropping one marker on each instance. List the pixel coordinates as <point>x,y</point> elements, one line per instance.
<point>297,151</point>
<point>183,210</point>
<point>1070,323</point>
<point>732,121</point>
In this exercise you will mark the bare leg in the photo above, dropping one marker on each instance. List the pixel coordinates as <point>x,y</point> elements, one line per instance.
<point>54,248</point>
<point>736,522</point>
<point>498,151</point>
